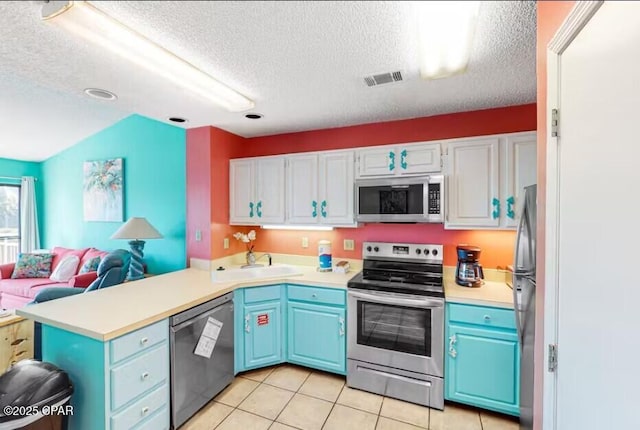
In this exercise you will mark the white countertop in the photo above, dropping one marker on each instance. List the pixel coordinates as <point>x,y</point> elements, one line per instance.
<point>496,294</point>
<point>114,311</point>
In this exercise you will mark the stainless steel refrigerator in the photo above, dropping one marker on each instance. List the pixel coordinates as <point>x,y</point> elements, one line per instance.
<point>524,297</point>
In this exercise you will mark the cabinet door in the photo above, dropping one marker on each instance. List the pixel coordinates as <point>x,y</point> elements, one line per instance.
<point>482,368</point>
<point>473,193</point>
<point>270,190</point>
<point>302,189</point>
<point>316,336</point>
<point>242,192</point>
<point>520,160</point>
<point>336,188</point>
<point>418,159</point>
<point>377,162</point>
<point>262,334</point>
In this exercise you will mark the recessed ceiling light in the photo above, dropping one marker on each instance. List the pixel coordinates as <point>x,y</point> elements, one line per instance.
<point>177,119</point>
<point>253,115</point>
<point>98,93</point>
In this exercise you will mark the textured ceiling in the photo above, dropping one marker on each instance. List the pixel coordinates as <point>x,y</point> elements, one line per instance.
<point>303,64</point>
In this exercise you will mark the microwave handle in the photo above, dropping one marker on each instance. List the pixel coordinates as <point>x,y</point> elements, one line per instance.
<point>395,300</point>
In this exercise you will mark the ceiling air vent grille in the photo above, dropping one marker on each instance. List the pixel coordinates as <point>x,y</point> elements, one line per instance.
<point>383,78</point>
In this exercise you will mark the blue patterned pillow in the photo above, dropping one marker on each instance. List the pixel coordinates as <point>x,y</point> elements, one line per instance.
<point>32,266</point>
<point>90,265</point>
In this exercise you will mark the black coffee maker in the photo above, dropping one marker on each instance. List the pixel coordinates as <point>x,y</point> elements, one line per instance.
<point>469,272</point>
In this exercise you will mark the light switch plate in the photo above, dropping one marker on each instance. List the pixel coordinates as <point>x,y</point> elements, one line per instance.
<point>305,242</point>
<point>198,235</point>
<point>349,245</point>
<point>226,243</point>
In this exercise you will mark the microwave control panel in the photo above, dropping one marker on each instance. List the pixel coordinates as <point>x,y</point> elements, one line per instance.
<point>434,199</point>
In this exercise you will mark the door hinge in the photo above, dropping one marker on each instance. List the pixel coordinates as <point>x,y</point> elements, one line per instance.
<point>555,122</point>
<point>553,357</point>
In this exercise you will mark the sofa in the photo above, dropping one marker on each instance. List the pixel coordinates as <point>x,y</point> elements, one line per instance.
<point>15,293</point>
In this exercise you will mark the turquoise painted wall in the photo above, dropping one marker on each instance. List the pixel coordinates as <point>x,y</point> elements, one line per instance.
<point>19,168</point>
<point>154,158</point>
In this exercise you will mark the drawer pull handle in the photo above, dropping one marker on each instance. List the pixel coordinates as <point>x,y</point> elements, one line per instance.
<point>452,350</point>
<point>247,327</point>
<point>18,342</point>
<point>144,376</point>
<point>341,330</point>
<point>487,318</point>
<point>144,341</point>
<point>144,411</point>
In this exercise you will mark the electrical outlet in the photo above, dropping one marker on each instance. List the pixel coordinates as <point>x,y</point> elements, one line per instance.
<point>349,245</point>
<point>225,243</point>
<point>198,235</point>
<point>305,242</point>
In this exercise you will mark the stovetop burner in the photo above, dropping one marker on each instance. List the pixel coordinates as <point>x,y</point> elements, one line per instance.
<point>401,268</point>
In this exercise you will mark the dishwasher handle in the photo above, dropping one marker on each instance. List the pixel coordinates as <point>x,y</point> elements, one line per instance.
<point>207,314</point>
<point>200,309</point>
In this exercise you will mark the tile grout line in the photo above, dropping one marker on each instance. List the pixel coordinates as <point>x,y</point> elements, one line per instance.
<point>333,406</point>
<point>243,399</point>
<point>287,404</point>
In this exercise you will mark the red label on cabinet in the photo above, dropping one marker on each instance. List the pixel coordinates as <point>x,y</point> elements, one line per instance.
<point>263,319</point>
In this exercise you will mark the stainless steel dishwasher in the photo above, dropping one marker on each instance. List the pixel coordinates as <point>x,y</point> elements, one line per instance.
<point>196,378</point>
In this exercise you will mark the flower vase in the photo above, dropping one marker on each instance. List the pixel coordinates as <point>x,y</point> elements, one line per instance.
<point>251,258</point>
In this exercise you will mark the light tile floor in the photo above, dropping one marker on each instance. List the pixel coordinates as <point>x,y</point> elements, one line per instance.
<point>290,397</point>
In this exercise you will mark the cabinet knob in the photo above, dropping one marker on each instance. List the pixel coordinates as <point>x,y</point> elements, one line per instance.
<point>144,341</point>
<point>314,295</point>
<point>487,318</point>
<point>144,376</point>
<point>144,411</point>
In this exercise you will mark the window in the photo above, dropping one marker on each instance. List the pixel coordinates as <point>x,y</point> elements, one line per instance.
<point>9,223</point>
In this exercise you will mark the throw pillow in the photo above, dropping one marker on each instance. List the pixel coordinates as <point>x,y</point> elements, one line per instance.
<point>32,266</point>
<point>66,269</point>
<point>90,265</point>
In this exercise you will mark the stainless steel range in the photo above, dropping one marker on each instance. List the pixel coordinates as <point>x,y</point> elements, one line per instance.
<point>396,323</point>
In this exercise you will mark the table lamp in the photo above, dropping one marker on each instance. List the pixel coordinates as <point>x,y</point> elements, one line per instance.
<point>136,228</point>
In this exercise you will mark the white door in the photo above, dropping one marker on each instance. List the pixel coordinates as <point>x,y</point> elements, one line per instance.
<point>336,188</point>
<point>302,189</point>
<point>473,191</point>
<point>598,317</point>
<point>418,159</point>
<point>377,162</point>
<point>520,167</point>
<point>270,190</point>
<point>242,209</point>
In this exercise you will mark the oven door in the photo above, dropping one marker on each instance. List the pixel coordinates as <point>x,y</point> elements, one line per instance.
<point>402,331</point>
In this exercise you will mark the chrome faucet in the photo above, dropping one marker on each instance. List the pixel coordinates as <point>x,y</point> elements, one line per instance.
<point>266,254</point>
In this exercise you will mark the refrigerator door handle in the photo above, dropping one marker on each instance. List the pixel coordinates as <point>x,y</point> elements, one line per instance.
<point>517,311</point>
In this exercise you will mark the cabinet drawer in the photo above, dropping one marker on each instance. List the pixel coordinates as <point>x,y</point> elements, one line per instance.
<point>317,295</point>
<point>139,340</point>
<point>160,421</point>
<point>141,409</point>
<point>482,315</point>
<point>262,294</point>
<point>133,378</point>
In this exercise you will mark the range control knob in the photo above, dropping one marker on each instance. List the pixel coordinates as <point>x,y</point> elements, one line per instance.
<point>418,251</point>
<point>434,252</point>
<point>426,251</point>
<point>368,249</point>
<point>376,249</point>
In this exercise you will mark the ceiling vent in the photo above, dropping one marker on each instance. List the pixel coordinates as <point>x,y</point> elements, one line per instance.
<point>383,78</point>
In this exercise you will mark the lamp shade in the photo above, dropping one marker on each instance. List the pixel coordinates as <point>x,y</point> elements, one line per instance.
<point>137,228</point>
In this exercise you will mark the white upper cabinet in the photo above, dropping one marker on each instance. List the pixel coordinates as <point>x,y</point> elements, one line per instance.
<point>486,179</point>
<point>473,177</point>
<point>392,160</point>
<point>320,188</point>
<point>302,189</point>
<point>256,191</point>
<point>336,188</point>
<point>520,166</point>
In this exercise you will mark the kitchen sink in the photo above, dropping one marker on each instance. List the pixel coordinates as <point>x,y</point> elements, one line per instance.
<point>254,273</point>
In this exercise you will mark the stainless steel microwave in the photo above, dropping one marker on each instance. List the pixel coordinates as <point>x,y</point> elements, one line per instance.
<point>397,200</point>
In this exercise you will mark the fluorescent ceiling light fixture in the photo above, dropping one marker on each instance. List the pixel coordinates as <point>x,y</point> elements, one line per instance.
<point>298,227</point>
<point>83,19</point>
<point>446,30</point>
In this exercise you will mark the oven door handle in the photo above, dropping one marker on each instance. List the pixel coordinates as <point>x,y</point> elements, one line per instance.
<point>400,301</point>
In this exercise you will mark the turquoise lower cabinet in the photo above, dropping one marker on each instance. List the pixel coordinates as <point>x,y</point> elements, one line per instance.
<point>262,332</point>
<point>122,384</point>
<point>259,326</point>
<point>482,358</point>
<point>316,336</point>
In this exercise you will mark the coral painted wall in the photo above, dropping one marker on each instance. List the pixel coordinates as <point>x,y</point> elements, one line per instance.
<point>551,14</point>
<point>497,245</point>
